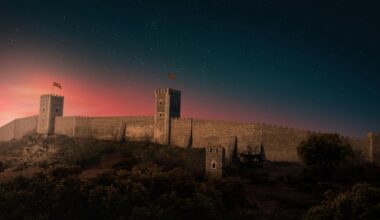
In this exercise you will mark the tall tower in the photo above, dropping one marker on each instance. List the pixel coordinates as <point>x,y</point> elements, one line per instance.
<point>215,159</point>
<point>168,105</point>
<point>374,147</point>
<point>50,107</point>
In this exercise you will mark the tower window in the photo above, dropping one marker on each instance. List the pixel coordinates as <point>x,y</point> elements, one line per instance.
<point>56,110</point>
<point>213,165</point>
<point>160,114</point>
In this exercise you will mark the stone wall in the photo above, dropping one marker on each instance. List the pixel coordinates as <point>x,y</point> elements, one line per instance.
<point>25,125</point>
<point>64,126</point>
<point>7,132</point>
<point>18,128</point>
<point>279,142</point>
<point>130,128</point>
<point>139,129</point>
<point>181,132</point>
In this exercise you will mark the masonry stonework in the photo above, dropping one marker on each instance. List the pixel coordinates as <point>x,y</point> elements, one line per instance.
<point>168,106</point>
<point>51,106</point>
<point>167,127</point>
<point>215,159</point>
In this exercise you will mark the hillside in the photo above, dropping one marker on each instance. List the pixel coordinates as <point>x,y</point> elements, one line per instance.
<point>59,177</point>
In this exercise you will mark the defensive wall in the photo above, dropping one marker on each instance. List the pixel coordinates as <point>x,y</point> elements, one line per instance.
<point>279,142</point>
<point>167,127</point>
<point>130,128</point>
<point>18,128</point>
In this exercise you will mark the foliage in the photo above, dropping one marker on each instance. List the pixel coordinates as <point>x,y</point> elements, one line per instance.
<point>143,192</point>
<point>324,150</point>
<point>362,202</point>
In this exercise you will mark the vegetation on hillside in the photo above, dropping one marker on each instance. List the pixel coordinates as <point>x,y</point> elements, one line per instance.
<point>360,203</point>
<point>76,178</point>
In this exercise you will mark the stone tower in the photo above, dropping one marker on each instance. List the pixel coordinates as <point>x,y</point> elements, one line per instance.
<point>50,107</point>
<point>374,147</point>
<point>215,159</point>
<point>168,105</point>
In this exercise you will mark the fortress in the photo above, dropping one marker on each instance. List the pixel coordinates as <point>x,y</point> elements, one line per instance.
<point>168,128</point>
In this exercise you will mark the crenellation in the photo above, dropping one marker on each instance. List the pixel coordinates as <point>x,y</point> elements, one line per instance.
<point>167,126</point>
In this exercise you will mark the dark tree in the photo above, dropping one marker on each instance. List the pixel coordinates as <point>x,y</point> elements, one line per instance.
<point>324,150</point>
<point>362,202</point>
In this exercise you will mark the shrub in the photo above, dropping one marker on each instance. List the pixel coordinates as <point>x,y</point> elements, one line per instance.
<point>362,202</point>
<point>324,150</point>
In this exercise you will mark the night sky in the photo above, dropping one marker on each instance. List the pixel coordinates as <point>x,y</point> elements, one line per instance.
<point>305,64</point>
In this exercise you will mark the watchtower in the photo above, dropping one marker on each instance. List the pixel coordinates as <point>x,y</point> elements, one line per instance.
<point>374,147</point>
<point>168,105</point>
<point>50,107</point>
<point>215,159</point>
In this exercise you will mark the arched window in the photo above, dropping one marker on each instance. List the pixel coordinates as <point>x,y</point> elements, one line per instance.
<point>213,165</point>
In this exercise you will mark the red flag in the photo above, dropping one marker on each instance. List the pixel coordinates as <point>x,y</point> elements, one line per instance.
<point>55,84</point>
<point>172,76</point>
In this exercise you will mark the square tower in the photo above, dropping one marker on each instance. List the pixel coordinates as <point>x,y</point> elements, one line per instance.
<point>50,107</point>
<point>374,147</point>
<point>168,105</point>
<point>215,159</point>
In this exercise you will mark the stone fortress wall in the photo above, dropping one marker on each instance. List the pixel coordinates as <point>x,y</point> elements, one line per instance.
<point>279,142</point>
<point>18,128</point>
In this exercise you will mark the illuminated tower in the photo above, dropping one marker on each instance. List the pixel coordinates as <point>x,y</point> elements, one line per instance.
<point>168,105</point>
<point>50,107</point>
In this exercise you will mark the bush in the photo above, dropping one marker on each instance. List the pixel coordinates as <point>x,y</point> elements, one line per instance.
<point>362,202</point>
<point>143,192</point>
<point>324,150</point>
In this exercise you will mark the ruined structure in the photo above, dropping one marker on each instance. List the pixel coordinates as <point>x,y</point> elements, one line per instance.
<point>167,127</point>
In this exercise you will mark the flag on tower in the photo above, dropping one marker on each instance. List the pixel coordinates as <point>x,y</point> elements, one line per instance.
<point>55,84</point>
<point>172,76</point>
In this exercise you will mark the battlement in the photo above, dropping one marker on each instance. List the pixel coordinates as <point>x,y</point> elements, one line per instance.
<point>215,150</point>
<point>167,90</point>
<point>47,96</point>
<point>181,119</point>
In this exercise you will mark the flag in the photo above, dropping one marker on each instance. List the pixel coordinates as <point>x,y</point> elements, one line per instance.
<point>55,84</point>
<point>172,76</point>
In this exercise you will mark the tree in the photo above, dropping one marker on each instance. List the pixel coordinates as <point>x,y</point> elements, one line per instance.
<point>324,150</point>
<point>362,202</point>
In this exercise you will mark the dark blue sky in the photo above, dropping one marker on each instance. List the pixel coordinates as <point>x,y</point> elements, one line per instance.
<point>306,64</point>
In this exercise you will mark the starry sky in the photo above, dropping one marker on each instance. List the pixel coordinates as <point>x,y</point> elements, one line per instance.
<point>304,64</point>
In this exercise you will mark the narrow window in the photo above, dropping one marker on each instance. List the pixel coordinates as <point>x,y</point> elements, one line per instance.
<point>213,165</point>
<point>56,110</point>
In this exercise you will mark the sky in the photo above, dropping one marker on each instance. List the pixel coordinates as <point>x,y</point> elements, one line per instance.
<point>303,64</point>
